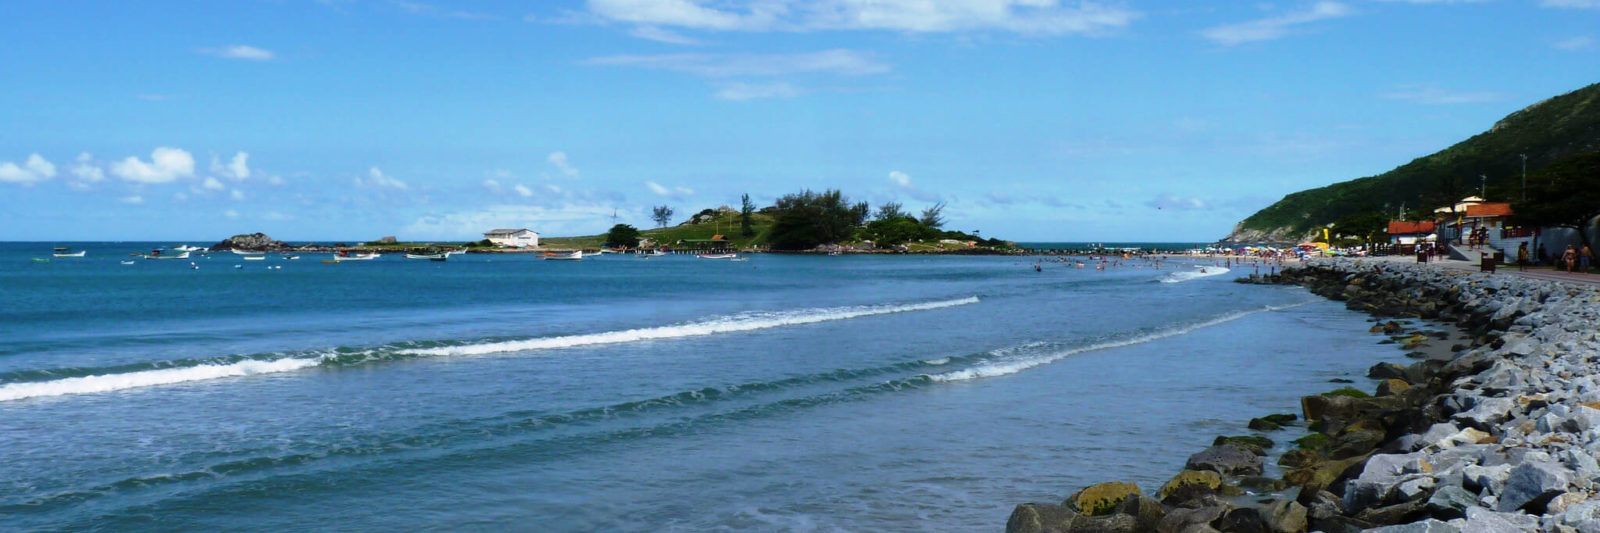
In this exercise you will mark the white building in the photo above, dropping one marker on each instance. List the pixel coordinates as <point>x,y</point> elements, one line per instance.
<point>516,238</point>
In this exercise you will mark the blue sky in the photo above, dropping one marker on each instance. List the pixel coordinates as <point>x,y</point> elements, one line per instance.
<point>1030,119</point>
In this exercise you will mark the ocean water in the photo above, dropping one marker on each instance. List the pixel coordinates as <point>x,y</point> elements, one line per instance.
<point>506,393</point>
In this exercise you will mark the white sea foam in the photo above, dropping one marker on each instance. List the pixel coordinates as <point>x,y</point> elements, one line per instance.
<point>147,378</point>
<point>168,376</point>
<point>1007,367</point>
<point>709,327</point>
<point>1199,272</point>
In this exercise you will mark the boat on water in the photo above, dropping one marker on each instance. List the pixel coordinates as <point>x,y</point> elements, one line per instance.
<point>79,253</point>
<point>653,253</point>
<point>255,258</point>
<point>347,256</point>
<point>717,256</point>
<point>246,252</point>
<point>127,262</point>
<point>156,254</point>
<point>574,255</point>
<point>441,256</point>
<point>187,248</point>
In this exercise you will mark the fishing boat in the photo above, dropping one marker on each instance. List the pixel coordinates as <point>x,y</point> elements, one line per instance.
<point>79,253</point>
<point>717,256</point>
<point>255,258</point>
<point>454,253</point>
<point>156,254</point>
<point>246,252</point>
<point>574,255</point>
<point>441,256</point>
<point>347,256</point>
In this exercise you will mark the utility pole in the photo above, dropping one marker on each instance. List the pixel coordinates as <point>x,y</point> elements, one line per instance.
<point>1524,177</point>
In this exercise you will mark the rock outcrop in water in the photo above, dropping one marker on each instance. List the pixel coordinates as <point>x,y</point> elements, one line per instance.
<point>1501,435</point>
<point>255,242</point>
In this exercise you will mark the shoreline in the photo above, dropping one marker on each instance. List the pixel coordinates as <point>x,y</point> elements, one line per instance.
<point>1495,428</point>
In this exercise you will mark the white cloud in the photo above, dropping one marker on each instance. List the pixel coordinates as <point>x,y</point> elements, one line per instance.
<point>376,178</point>
<point>523,190</point>
<point>900,178</point>
<point>559,159</point>
<point>751,91</point>
<point>166,165</point>
<point>86,171</point>
<point>902,181</point>
<point>1274,27</point>
<point>1575,43</point>
<point>230,213</point>
<point>240,51</point>
<point>920,16</point>
<point>135,199</point>
<point>211,184</point>
<point>1578,4</point>
<point>275,180</point>
<point>236,194</point>
<point>492,185</point>
<point>1437,96</point>
<point>237,168</point>
<point>34,169</point>
<point>838,61</point>
<point>674,192</point>
<point>653,33</point>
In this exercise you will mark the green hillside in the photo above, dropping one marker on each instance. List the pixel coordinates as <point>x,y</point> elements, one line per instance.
<point>723,223</point>
<point>1546,132</point>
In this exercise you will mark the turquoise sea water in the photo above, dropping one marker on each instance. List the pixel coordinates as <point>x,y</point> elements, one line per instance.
<point>506,393</point>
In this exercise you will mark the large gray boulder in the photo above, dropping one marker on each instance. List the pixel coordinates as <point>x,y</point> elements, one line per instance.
<point>1529,481</point>
<point>1226,459</point>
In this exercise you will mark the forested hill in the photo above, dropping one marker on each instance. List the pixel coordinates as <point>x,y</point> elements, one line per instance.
<point>1547,132</point>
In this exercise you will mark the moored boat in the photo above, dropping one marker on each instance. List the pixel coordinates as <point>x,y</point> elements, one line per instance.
<point>717,256</point>
<point>79,253</point>
<point>347,256</point>
<point>246,252</point>
<point>156,254</point>
<point>574,255</point>
<point>441,256</point>
<point>255,258</point>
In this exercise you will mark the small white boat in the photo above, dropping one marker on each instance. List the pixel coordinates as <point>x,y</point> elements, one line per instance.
<point>187,248</point>
<point>293,258</point>
<point>454,253</point>
<point>717,256</point>
<point>127,262</point>
<point>342,256</point>
<point>255,258</point>
<point>79,253</point>
<point>574,255</point>
<point>158,255</point>
<point>247,252</point>
<point>431,257</point>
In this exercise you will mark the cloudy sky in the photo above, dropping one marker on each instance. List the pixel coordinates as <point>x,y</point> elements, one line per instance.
<point>1030,119</point>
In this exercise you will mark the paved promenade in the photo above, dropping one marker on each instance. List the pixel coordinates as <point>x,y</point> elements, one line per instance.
<point>1541,273</point>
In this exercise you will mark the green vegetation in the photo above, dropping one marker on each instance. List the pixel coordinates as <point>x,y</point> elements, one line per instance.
<point>622,235</point>
<point>798,222</point>
<point>1546,132</point>
<point>1348,392</point>
<point>1564,194</point>
<point>808,219</point>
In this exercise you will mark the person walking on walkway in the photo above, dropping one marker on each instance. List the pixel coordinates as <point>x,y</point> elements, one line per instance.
<point>1522,257</point>
<point>1584,257</point>
<point>1570,258</point>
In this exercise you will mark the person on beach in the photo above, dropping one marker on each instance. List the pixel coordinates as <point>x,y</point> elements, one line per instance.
<point>1522,257</point>
<point>1570,258</point>
<point>1584,256</point>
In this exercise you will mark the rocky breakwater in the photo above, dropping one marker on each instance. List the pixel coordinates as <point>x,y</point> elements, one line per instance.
<point>254,242</point>
<point>1499,433</point>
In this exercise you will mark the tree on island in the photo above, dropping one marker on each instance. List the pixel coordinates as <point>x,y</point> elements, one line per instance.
<point>1565,194</point>
<point>746,207</point>
<point>932,216</point>
<point>807,219</point>
<point>1366,227</point>
<point>662,215</point>
<point>622,235</point>
<point>889,210</point>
